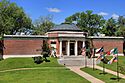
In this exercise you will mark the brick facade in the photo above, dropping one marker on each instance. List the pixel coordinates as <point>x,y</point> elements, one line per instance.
<point>22,47</point>
<point>29,45</point>
<point>109,44</point>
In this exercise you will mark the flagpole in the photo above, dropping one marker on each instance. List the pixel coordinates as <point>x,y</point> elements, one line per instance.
<point>103,62</point>
<point>103,68</point>
<point>93,59</point>
<point>85,34</point>
<point>85,61</point>
<point>93,63</point>
<point>117,68</point>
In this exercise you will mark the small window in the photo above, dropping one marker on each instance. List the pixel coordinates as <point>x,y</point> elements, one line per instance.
<point>53,42</point>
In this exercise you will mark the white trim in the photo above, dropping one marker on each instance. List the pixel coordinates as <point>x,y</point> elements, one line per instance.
<point>83,44</point>
<point>106,37</point>
<point>68,48</point>
<point>71,35</point>
<point>65,32</point>
<point>120,54</point>
<point>60,48</point>
<point>17,56</point>
<point>76,50</point>
<point>25,36</point>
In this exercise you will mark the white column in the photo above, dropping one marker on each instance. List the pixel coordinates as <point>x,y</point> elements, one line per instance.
<point>68,48</point>
<point>60,48</point>
<point>83,44</point>
<point>76,46</point>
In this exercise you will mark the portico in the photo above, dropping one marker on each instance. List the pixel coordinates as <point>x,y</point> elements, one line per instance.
<point>69,39</point>
<point>70,47</point>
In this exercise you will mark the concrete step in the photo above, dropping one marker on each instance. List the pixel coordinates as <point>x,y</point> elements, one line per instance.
<point>73,57</point>
<point>76,61</point>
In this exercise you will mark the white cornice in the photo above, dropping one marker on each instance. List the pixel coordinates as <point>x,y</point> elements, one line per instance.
<point>25,36</point>
<point>105,37</point>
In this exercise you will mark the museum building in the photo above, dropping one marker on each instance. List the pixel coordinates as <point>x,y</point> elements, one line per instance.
<point>66,39</point>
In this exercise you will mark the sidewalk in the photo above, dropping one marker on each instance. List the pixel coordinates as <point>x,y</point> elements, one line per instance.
<point>35,68</point>
<point>90,78</point>
<point>109,71</point>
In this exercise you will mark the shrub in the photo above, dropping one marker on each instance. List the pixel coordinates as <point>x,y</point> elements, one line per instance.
<point>38,59</point>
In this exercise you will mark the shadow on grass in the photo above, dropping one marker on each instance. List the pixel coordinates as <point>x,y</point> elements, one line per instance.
<point>115,78</point>
<point>47,60</point>
<point>39,59</point>
<point>104,73</point>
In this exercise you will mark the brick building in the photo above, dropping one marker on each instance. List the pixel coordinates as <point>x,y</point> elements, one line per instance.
<point>67,39</point>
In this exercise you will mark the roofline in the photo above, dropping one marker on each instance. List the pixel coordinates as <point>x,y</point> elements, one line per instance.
<point>66,30</point>
<point>25,36</point>
<point>45,37</point>
<point>105,37</point>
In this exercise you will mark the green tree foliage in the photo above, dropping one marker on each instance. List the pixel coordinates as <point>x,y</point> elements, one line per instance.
<point>121,21</point>
<point>110,27</point>
<point>114,27</point>
<point>13,19</point>
<point>42,25</point>
<point>45,49</point>
<point>121,26</point>
<point>87,21</point>
<point>121,31</point>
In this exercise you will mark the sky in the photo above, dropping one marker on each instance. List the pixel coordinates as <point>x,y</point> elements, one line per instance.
<point>60,9</point>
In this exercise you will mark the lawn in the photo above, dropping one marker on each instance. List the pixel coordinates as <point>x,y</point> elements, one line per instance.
<point>59,74</point>
<point>13,63</point>
<point>113,65</point>
<point>108,78</point>
<point>41,76</point>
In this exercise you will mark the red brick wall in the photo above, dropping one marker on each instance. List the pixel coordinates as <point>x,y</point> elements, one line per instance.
<point>53,34</point>
<point>29,46</point>
<point>109,44</point>
<point>22,47</point>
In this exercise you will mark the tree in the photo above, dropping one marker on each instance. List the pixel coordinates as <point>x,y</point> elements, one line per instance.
<point>87,21</point>
<point>13,19</point>
<point>45,50</point>
<point>42,25</point>
<point>110,27</point>
<point>121,31</point>
<point>121,21</point>
<point>121,26</point>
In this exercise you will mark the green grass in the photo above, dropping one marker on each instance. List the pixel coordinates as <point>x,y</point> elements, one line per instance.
<point>113,66</point>
<point>13,63</point>
<point>41,76</point>
<point>59,74</point>
<point>106,78</point>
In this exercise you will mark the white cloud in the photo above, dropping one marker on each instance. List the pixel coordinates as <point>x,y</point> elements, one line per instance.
<point>115,16</point>
<point>103,13</point>
<point>56,10</point>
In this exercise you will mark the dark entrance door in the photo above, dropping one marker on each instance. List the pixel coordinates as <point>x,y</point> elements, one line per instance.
<point>72,49</point>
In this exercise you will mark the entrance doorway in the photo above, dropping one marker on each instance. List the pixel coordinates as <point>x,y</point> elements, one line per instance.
<point>72,49</point>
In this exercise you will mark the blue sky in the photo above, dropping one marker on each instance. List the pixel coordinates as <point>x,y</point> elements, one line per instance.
<point>60,9</point>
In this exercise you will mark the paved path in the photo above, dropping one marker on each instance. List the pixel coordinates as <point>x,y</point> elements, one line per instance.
<point>33,68</point>
<point>109,71</point>
<point>85,75</point>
